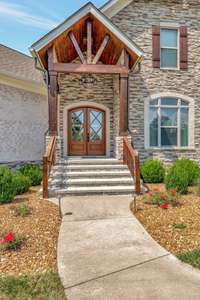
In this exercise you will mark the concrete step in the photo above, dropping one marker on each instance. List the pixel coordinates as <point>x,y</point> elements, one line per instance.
<point>84,168</point>
<point>78,182</point>
<point>90,174</point>
<point>90,161</point>
<point>120,189</point>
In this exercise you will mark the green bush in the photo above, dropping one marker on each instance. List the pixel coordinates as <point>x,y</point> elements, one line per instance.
<point>33,172</point>
<point>21,183</point>
<point>153,171</point>
<point>7,188</point>
<point>183,173</point>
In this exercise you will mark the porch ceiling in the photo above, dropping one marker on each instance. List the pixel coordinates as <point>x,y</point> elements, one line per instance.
<point>77,24</point>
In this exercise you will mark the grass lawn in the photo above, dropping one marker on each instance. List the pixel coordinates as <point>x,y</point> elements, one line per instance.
<point>45,286</point>
<point>177,228</point>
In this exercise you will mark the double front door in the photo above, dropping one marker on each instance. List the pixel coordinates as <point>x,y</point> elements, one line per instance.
<point>86,132</point>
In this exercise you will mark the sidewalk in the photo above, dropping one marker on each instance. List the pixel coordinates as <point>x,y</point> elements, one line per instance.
<point>104,253</point>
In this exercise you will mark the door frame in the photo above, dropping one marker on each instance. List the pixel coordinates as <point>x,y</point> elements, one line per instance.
<point>66,110</point>
<point>86,112</point>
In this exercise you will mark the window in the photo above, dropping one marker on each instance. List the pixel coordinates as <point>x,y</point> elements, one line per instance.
<point>168,123</point>
<point>169,41</point>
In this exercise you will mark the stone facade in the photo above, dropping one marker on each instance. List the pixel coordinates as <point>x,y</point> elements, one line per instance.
<point>23,122</point>
<point>102,91</point>
<point>136,21</point>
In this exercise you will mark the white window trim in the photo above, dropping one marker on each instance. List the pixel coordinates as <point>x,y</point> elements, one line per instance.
<point>175,27</point>
<point>190,122</point>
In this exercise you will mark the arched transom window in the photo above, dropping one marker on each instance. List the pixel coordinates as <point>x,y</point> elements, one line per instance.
<point>168,123</point>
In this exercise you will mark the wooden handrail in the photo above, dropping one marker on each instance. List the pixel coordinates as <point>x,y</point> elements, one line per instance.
<point>131,159</point>
<point>48,161</point>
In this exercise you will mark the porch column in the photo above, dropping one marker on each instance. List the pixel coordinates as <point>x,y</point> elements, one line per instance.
<point>124,80</point>
<point>123,125</point>
<point>52,102</point>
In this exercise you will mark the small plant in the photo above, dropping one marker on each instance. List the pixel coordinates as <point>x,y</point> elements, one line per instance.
<point>21,183</point>
<point>179,226</point>
<point>33,172</point>
<point>162,199</point>
<point>7,188</point>
<point>23,210</point>
<point>11,242</point>
<point>153,171</point>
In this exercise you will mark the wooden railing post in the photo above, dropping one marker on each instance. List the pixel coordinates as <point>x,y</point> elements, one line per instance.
<point>49,159</point>
<point>45,177</point>
<point>137,174</point>
<point>131,158</point>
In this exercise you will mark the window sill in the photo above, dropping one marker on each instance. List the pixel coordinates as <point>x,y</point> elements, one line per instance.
<point>169,69</point>
<point>170,149</point>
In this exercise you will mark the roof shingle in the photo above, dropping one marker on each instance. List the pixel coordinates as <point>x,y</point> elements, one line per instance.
<point>18,65</point>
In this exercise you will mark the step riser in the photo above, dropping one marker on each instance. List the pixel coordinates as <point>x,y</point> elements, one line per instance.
<point>91,162</point>
<point>89,168</point>
<point>55,194</point>
<point>89,184</point>
<point>105,175</point>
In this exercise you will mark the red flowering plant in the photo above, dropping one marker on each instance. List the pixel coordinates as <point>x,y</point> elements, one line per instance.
<point>162,199</point>
<point>11,241</point>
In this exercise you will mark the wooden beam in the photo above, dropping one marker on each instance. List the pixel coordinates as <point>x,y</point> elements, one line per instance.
<point>52,102</point>
<point>89,42</point>
<point>52,57</point>
<point>94,69</point>
<point>101,49</point>
<point>77,48</point>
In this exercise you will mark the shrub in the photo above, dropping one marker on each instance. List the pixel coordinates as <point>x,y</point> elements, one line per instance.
<point>11,242</point>
<point>198,186</point>
<point>153,171</point>
<point>160,198</point>
<point>34,173</point>
<point>21,183</point>
<point>23,210</point>
<point>183,173</point>
<point>7,188</point>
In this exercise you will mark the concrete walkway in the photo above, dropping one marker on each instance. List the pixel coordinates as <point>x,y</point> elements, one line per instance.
<point>104,253</point>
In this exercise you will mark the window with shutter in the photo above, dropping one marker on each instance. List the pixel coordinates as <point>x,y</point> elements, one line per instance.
<point>170,47</point>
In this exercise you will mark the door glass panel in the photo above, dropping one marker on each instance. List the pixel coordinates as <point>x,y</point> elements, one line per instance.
<point>77,126</point>
<point>95,126</point>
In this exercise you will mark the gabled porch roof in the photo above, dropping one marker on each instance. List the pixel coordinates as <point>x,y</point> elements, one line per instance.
<point>102,27</point>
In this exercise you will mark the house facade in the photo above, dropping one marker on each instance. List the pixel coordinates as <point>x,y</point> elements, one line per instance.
<point>159,112</point>
<point>23,109</point>
<point>137,75</point>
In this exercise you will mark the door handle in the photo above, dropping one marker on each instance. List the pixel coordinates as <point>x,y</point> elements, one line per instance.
<point>88,137</point>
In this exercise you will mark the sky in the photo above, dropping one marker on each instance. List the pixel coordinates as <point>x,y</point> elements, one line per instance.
<point>22,22</point>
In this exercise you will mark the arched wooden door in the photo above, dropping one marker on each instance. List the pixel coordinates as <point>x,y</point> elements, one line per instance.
<point>86,132</point>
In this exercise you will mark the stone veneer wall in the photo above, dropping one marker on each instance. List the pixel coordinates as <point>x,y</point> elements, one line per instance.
<point>73,91</point>
<point>136,21</point>
<point>23,122</point>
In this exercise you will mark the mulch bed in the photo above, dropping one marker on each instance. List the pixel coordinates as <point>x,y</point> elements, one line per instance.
<point>159,222</point>
<point>40,229</point>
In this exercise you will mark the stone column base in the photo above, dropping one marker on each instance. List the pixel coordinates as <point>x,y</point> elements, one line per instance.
<point>58,146</point>
<point>119,146</point>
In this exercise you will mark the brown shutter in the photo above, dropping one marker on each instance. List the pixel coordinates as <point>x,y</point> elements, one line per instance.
<point>156,46</point>
<point>183,48</point>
